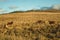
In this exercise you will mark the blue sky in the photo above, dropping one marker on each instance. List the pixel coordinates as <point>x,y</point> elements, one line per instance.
<point>13,5</point>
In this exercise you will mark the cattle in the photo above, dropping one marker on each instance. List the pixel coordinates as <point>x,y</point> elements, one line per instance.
<point>10,23</point>
<point>40,21</point>
<point>51,22</point>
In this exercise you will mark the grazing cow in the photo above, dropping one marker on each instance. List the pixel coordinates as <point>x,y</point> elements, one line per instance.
<point>10,23</point>
<point>39,21</point>
<point>51,22</point>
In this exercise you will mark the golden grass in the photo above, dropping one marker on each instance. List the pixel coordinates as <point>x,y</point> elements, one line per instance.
<point>30,26</point>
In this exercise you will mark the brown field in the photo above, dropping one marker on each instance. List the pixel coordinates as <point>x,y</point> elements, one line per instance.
<point>30,26</point>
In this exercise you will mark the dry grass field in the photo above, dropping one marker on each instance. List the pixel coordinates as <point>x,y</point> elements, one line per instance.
<point>30,26</point>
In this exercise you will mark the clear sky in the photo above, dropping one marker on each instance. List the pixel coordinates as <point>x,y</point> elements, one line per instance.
<point>12,5</point>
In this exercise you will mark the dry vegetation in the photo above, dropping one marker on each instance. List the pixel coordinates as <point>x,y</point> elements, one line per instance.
<point>30,26</point>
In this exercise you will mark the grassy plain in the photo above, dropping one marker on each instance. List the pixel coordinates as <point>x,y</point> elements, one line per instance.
<point>30,26</point>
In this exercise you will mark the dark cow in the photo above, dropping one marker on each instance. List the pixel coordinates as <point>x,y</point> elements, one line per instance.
<point>51,22</point>
<point>10,23</point>
<point>39,21</point>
